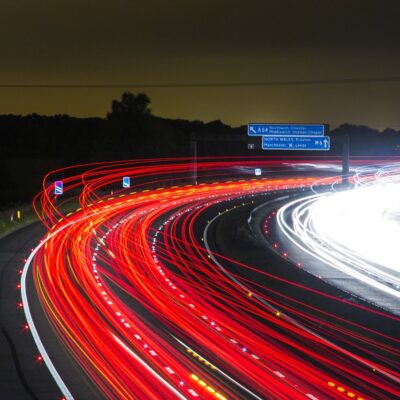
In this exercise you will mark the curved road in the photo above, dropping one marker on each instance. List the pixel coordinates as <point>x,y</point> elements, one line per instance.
<point>136,308</point>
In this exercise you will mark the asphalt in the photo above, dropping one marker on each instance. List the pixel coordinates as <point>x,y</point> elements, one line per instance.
<point>22,377</point>
<point>234,238</point>
<point>230,235</point>
<point>350,288</point>
<point>356,289</point>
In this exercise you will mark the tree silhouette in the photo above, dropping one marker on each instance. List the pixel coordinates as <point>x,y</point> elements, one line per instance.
<point>131,106</point>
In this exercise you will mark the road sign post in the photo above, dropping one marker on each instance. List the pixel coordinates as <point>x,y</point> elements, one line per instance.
<point>346,160</point>
<point>58,188</point>
<point>299,137</point>
<point>291,136</point>
<point>126,182</point>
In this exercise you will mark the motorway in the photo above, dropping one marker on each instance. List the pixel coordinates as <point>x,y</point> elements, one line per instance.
<point>162,291</point>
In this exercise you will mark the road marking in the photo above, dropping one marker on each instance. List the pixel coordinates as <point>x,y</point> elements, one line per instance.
<point>50,366</point>
<point>151,370</point>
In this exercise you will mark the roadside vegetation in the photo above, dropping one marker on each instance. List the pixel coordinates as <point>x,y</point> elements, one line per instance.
<point>12,218</point>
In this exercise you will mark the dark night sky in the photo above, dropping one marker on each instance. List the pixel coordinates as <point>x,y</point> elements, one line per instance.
<point>191,41</point>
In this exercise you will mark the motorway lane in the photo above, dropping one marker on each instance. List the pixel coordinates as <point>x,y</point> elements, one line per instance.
<point>344,265</point>
<point>163,329</point>
<point>223,234</point>
<point>356,288</point>
<point>277,370</point>
<point>107,256</point>
<point>21,376</point>
<point>229,237</point>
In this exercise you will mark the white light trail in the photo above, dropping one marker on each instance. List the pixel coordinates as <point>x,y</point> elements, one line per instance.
<point>356,231</point>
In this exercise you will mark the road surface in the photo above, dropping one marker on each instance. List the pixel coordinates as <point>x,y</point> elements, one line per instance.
<point>125,296</point>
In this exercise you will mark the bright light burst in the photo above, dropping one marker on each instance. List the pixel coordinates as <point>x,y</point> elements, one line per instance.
<point>355,231</point>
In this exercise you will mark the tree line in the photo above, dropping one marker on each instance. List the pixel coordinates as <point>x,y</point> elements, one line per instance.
<point>32,145</point>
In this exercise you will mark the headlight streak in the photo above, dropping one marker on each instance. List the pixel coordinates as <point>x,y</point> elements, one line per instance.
<point>272,305</point>
<point>167,384</point>
<point>145,245</point>
<point>349,231</point>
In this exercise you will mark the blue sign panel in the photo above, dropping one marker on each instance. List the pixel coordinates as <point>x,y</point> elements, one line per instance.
<point>295,143</point>
<point>305,130</point>
<point>58,187</point>
<point>126,182</point>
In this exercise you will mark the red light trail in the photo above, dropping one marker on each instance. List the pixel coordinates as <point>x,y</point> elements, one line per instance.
<point>130,289</point>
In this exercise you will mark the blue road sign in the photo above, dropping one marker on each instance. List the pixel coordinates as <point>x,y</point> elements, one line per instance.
<point>296,143</point>
<point>304,130</point>
<point>126,182</point>
<point>58,187</point>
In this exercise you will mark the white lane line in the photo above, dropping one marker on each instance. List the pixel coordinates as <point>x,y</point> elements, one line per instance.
<point>151,370</point>
<point>220,371</point>
<point>292,320</point>
<point>50,366</point>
